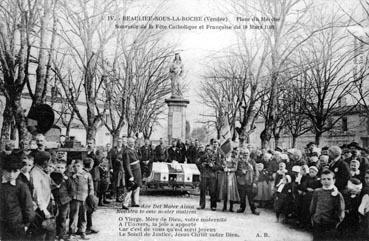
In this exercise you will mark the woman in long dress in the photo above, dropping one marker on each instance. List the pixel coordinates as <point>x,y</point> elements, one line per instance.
<point>264,185</point>
<point>228,190</point>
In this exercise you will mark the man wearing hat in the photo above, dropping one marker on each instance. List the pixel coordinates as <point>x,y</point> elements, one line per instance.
<point>16,207</point>
<point>247,176</point>
<point>338,167</point>
<point>132,169</point>
<point>208,168</point>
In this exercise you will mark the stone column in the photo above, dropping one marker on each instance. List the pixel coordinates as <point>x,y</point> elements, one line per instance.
<point>176,118</point>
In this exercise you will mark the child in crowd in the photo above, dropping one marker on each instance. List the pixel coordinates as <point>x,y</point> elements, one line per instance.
<point>323,163</point>
<point>355,170</point>
<point>307,187</point>
<point>264,188</point>
<point>50,168</point>
<point>16,205</point>
<point>89,165</point>
<point>24,176</point>
<point>104,181</point>
<point>70,168</point>
<point>283,192</point>
<point>62,191</point>
<point>352,196</point>
<point>327,208</point>
<point>82,186</point>
<point>281,172</point>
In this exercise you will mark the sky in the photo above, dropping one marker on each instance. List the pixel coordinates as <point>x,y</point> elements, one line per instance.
<point>197,47</point>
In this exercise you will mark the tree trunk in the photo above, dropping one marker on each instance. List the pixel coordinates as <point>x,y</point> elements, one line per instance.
<point>67,131</point>
<point>20,120</point>
<point>276,140</point>
<point>7,121</point>
<point>13,131</point>
<point>115,135</point>
<point>70,121</point>
<point>317,138</point>
<point>41,84</point>
<point>267,133</point>
<point>294,139</point>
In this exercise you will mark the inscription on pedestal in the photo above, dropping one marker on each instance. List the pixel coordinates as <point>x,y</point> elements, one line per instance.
<point>176,118</point>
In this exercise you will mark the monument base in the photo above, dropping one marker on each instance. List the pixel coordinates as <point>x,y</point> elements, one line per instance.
<point>176,118</point>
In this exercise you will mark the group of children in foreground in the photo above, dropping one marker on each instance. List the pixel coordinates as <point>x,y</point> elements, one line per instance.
<point>70,188</point>
<point>308,197</point>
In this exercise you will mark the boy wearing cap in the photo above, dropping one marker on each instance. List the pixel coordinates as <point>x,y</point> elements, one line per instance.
<point>16,206</point>
<point>327,208</point>
<point>82,186</point>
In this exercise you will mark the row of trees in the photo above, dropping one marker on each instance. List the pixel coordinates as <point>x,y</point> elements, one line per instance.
<point>295,76</point>
<point>67,52</point>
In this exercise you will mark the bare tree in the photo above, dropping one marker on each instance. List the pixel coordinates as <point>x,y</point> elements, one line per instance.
<point>222,91</point>
<point>296,121</point>
<point>42,41</point>
<point>151,84</point>
<point>282,31</point>
<point>137,83</point>
<point>13,58</point>
<point>233,86</point>
<point>327,79</point>
<point>85,32</point>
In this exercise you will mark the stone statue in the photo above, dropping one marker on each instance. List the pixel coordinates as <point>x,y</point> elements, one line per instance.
<point>175,73</point>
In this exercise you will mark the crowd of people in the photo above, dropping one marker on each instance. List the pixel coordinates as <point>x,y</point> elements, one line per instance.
<point>45,196</point>
<point>325,190</point>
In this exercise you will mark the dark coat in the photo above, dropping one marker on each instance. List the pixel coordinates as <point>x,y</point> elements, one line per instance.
<point>342,174</point>
<point>246,173</point>
<point>24,179</point>
<point>16,207</point>
<point>115,157</point>
<point>191,154</point>
<point>182,153</point>
<point>63,193</point>
<point>208,166</point>
<point>146,154</point>
<point>160,154</point>
<point>174,154</point>
<point>131,164</point>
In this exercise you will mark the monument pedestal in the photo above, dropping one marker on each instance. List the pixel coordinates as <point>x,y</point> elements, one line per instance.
<point>176,118</point>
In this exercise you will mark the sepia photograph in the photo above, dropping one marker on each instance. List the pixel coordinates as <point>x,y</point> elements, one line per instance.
<point>143,120</point>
